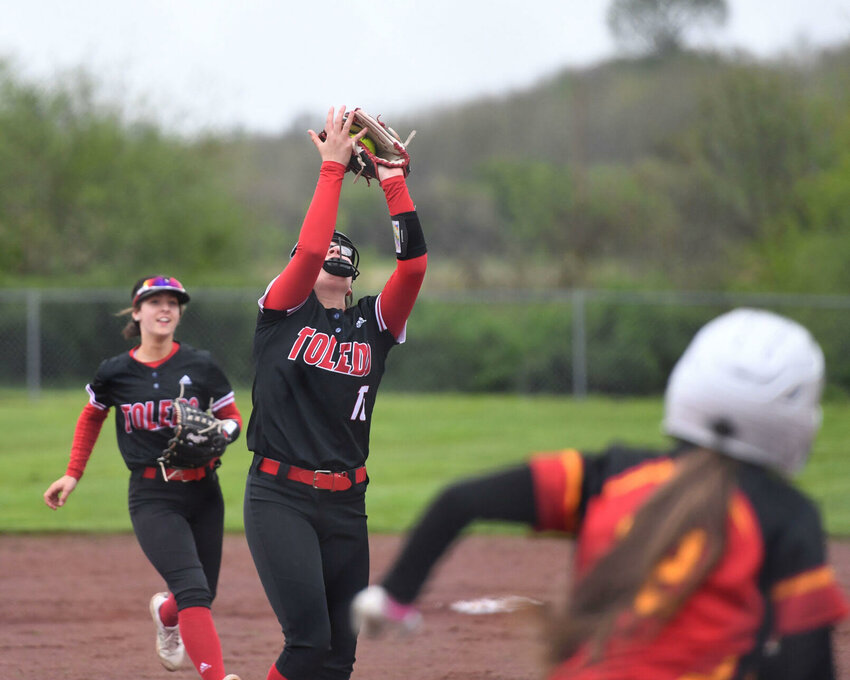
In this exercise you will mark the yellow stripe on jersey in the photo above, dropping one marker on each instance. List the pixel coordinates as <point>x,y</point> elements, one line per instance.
<point>655,472</point>
<point>722,672</point>
<point>573,465</point>
<point>804,583</point>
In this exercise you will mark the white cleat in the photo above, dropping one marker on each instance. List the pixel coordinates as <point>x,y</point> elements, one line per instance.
<point>373,612</point>
<point>169,646</point>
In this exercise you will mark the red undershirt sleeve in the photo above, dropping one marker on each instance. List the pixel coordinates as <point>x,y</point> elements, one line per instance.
<point>397,195</point>
<point>401,290</point>
<point>85,435</point>
<point>294,283</point>
<point>229,412</point>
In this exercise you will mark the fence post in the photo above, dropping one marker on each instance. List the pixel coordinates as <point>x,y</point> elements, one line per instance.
<point>579,346</point>
<point>33,343</point>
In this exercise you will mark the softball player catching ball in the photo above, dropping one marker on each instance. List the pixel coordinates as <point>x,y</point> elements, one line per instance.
<point>319,363</point>
<point>702,563</point>
<point>177,515</point>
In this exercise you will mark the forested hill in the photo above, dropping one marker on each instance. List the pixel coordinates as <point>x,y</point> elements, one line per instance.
<point>695,170</point>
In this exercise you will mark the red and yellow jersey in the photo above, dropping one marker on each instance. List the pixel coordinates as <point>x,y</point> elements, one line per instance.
<point>771,581</point>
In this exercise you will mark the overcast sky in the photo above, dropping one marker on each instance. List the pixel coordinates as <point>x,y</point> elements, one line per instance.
<point>255,64</point>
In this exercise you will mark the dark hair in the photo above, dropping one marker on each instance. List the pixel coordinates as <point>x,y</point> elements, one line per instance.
<point>691,507</point>
<point>131,328</point>
<point>136,287</point>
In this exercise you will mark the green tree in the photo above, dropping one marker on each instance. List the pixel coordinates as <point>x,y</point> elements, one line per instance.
<point>531,197</point>
<point>806,247</point>
<point>573,218</point>
<point>85,194</point>
<point>751,141</point>
<point>660,25</point>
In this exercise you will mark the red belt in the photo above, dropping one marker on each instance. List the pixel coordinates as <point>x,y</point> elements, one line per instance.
<point>179,474</point>
<point>318,479</point>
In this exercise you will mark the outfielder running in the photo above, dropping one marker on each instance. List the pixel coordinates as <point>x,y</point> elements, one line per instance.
<point>177,514</point>
<point>319,363</point>
<point>702,563</point>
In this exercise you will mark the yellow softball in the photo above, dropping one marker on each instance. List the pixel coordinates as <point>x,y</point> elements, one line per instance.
<point>365,141</point>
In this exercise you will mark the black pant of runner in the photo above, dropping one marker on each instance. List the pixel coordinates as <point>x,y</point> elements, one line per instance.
<point>311,550</point>
<point>180,527</point>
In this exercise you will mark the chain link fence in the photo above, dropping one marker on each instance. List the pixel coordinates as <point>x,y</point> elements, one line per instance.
<point>574,342</point>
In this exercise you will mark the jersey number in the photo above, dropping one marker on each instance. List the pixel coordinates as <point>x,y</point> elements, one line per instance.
<point>359,412</point>
<point>671,572</point>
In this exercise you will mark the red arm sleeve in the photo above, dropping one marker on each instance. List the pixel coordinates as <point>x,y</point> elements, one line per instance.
<point>294,283</point>
<point>85,435</point>
<point>229,412</point>
<point>401,290</point>
<point>397,195</point>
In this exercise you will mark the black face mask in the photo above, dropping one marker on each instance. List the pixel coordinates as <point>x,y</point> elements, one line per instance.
<point>336,266</point>
<point>339,267</point>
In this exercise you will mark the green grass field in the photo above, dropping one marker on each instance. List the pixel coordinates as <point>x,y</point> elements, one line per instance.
<point>419,443</point>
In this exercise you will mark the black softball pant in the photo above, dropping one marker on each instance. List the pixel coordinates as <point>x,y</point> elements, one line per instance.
<point>311,551</point>
<point>180,527</point>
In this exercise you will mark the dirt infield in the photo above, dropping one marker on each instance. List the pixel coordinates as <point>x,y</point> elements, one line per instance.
<point>75,608</point>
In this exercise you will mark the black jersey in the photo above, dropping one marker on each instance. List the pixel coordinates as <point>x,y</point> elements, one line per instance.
<point>143,396</point>
<point>317,376</point>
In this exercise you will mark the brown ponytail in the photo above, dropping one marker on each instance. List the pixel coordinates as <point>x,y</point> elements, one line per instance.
<point>131,329</point>
<point>685,517</point>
